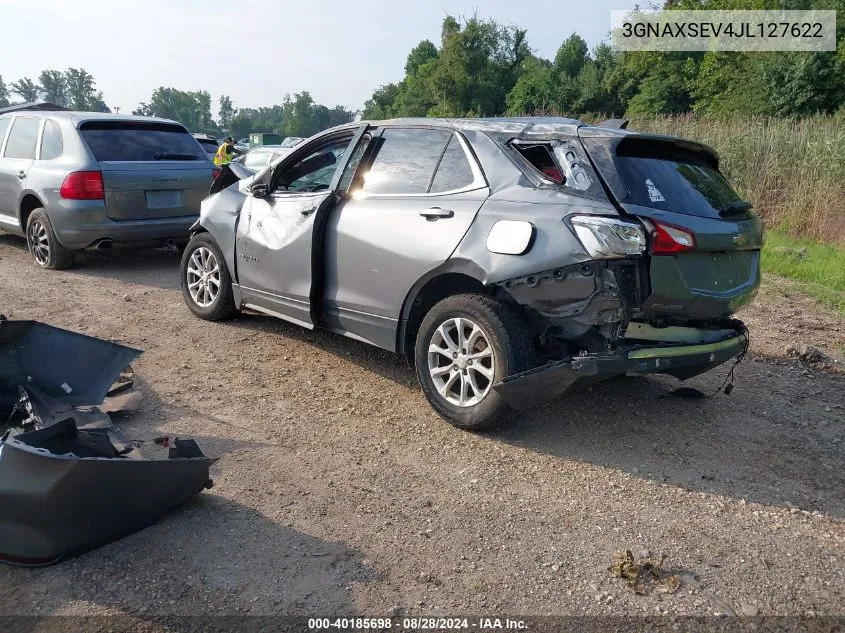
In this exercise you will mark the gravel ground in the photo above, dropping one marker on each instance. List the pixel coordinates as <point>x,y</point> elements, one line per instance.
<point>339,491</point>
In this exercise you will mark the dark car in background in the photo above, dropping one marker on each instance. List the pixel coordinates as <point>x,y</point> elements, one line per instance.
<point>208,143</point>
<point>77,180</point>
<point>508,259</point>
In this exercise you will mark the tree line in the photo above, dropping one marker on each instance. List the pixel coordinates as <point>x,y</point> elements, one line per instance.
<point>73,88</point>
<point>297,115</point>
<point>483,68</point>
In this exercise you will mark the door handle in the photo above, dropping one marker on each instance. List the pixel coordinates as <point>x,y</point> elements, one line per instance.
<point>21,174</point>
<point>435,213</point>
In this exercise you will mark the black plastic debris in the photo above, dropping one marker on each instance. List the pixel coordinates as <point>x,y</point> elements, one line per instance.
<point>64,491</point>
<point>68,481</point>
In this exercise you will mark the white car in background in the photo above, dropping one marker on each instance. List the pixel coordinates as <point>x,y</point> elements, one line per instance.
<point>257,159</point>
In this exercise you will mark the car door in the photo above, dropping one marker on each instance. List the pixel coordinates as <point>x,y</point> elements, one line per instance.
<point>274,246</point>
<point>17,157</point>
<point>421,192</point>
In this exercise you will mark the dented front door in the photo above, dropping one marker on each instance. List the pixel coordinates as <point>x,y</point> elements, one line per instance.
<point>275,238</point>
<point>274,252</point>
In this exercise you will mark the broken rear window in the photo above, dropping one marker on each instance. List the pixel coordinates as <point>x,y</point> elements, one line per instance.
<point>562,163</point>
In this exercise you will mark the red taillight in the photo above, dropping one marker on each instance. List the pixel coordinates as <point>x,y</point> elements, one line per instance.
<point>83,185</point>
<point>671,239</point>
<point>215,173</point>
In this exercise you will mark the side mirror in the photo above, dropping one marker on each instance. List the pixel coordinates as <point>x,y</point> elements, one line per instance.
<point>260,190</point>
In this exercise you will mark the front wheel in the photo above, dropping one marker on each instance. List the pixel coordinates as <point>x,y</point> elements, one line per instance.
<point>206,285</point>
<point>465,345</point>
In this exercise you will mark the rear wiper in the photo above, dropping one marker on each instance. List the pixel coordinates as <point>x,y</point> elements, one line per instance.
<point>169,156</point>
<point>736,207</point>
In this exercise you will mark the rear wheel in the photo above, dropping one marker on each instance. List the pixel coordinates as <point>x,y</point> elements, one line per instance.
<point>465,345</point>
<point>206,285</point>
<point>44,246</point>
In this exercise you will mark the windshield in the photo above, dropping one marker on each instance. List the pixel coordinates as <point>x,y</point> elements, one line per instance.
<point>680,183</point>
<point>138,141</point>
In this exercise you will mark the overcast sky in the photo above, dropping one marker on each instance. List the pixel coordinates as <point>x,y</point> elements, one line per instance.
<point>256,51</point>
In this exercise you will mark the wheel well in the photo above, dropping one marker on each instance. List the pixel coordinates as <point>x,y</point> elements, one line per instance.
<point>29,204</point>
<point>433,291</point>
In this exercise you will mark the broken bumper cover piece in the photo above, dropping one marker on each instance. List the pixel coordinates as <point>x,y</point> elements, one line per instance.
<point>682,361</point>
<point>73,484</point>
<point>74,368</point>
<point>65,491</point>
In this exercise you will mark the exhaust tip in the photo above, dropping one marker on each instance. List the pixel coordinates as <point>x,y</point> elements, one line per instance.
<point>104,243</point>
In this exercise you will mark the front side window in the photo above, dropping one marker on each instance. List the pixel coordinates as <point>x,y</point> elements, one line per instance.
<point>314,172</point>
<point>51,141</point>
<point>406,161</point>
<point>22,138</point>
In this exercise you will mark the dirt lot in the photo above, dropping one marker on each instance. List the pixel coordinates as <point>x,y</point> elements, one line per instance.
<point>338,491</point>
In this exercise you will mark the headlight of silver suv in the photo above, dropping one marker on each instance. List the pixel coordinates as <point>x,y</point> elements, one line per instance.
<point>606,237</point>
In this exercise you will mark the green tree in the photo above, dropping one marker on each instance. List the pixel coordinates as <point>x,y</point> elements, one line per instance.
<point>54,87</point>
<point>571,56</point>
<point>534,92</point>
<point>191,109</point>
<point>26,89</point>
<point>226,112</point>
<point>82,94</point>
<point>380,105</point>
<point>422,53</point>
<point>4,93</point>
<point>664,86</point>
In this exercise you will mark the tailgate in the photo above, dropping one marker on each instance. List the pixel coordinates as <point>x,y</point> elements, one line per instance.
<point>138,191</point>
<point>151,169</point>
<point>676,188</point>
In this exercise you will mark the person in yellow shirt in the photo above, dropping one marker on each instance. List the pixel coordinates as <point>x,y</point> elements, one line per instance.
<point>226,152</point>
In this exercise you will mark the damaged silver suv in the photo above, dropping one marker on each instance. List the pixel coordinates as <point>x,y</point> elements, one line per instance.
<point>508,259</point>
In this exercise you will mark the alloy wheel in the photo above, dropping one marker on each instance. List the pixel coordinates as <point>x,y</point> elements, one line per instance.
<point>461,362</point>
<point>39,242</point>
<point>203,277</point>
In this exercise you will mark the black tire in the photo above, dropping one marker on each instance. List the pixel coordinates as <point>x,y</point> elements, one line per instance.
<point>40,236</point>
<point>513,352</point>
<point>222,306</point>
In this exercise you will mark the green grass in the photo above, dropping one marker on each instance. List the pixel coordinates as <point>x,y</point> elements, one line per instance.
<point>818,269</point>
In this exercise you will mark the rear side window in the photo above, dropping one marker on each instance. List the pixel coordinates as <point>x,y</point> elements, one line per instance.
<point>51,141</point>
<point>560,162</point>
<point>406,161</point>
<point>674,181</point>
<point>22,138</point>
<point>454,171</point>
<point>140,142</point>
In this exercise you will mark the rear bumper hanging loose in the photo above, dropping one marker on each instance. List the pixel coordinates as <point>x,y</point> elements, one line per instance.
<point>545,383</point>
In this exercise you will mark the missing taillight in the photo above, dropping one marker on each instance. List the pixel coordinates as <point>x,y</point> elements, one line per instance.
<point>670,239</point>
